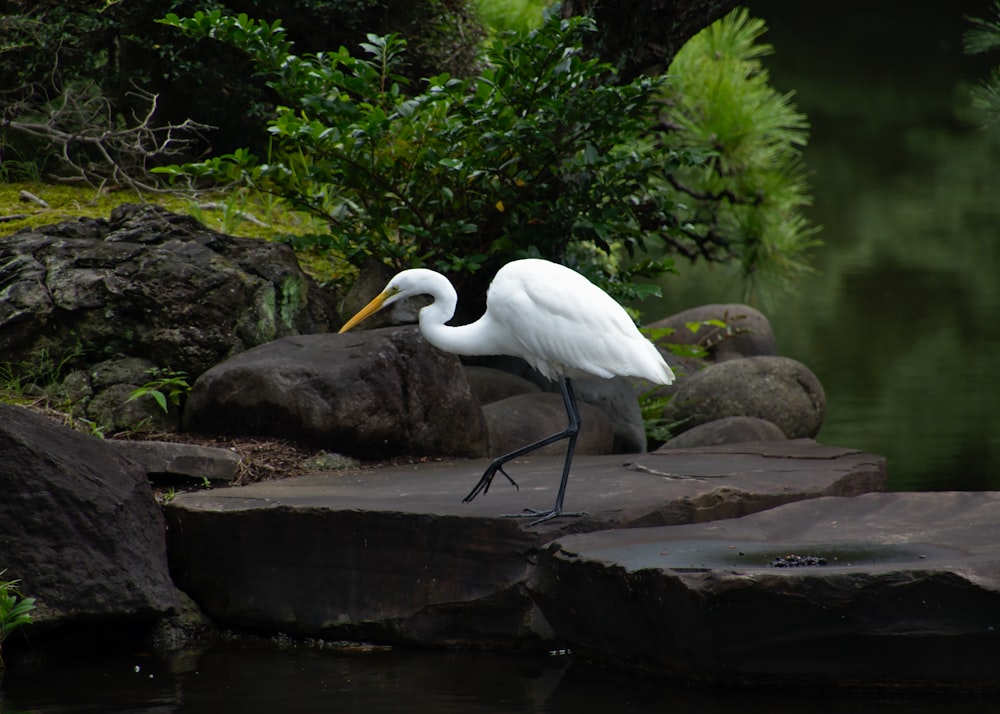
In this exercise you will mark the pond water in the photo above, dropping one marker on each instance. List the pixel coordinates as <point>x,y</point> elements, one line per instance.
<point>293,680</point>
<point>899,323</point>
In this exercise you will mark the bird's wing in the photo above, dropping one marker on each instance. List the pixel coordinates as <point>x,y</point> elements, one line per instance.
<point>563,324</point>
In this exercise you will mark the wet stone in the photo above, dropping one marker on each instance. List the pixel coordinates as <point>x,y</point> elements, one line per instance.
<point>393,554</point>
<point>907,595</point>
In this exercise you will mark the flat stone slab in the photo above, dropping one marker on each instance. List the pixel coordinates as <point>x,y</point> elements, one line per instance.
<point>670,487</point>
<point>177,462</point>
<point>909,593</point>
<point>393,555</point>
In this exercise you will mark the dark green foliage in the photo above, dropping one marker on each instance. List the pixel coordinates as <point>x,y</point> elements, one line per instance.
<point>15,609</point>
<point>743,200</point>
<point>51,50</point>
<point>985,37</point>
<point>540,153</point>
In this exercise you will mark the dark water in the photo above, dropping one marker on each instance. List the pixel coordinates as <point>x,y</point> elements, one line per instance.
<point>289,680</point>
<point>900,323</point>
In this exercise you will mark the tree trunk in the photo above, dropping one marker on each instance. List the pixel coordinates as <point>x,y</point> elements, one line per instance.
<point>643,37</point>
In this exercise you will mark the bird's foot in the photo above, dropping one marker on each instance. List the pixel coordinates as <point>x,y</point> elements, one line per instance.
<point>484,483</point>
<point>542,516</point>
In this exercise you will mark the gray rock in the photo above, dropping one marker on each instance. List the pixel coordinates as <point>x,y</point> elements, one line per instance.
<point>190,462</point>
<point>517,421</point>
<point>908,595</point>
<point>748,332</point>
<point>491,385</point>
<point>80,528</point>
<point>151,285</point>
<point>394,554</point>
<point>778,389</point>
<point>615,397</point>
<point>102,395</point>
<point>372,393</point>
<point>113,409</point>
<point>728,430</point>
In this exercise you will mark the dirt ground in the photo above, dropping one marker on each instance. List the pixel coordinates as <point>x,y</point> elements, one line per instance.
<point>263,458</point>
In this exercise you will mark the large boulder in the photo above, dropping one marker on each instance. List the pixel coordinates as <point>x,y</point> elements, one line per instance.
<point>780,390</point>
<point>151,285</point>
<point>491,385</point>
<point>372,393</point>
<point>80,529</point>
<point>520,420</point>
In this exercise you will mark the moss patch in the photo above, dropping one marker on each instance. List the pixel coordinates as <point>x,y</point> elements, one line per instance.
<point>235,212</point>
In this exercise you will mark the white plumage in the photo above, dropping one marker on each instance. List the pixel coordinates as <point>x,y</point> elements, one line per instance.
<point>554,318</point>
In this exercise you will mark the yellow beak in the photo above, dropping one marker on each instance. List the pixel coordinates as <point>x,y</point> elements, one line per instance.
<point>366,312</point>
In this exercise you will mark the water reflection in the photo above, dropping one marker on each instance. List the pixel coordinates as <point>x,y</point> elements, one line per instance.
<point>268,679</point>
<point>899,324</point>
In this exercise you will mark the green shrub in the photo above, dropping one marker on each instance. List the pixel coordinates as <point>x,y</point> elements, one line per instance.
<point>541,152</point>
<point>743,201</point>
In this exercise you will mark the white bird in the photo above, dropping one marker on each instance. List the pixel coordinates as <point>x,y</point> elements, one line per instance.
<point>551,316</point>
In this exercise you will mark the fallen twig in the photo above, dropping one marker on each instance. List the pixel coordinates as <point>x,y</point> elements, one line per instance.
<point>29,196</point>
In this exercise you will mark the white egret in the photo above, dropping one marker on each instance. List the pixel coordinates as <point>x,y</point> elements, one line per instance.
<point>551,316</point>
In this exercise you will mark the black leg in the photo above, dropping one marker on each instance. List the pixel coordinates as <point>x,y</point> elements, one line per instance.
<point>570,432</point>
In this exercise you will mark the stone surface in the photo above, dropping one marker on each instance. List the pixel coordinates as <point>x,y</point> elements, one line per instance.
<point>394,555</point>
<point>779,389</point>
<point>148,285</point>
<point>79,527</point>
<point>102,394</point>
<point>151,284</point>
<point>616,398</point>
<point>909,595</point>
<point>372,393</point>
<point>491,385</point>
<point>728,430</point>
<point>170,461</point>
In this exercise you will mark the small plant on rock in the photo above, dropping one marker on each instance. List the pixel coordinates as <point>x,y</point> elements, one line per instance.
<point>15,610</point>
<point>166,387</point>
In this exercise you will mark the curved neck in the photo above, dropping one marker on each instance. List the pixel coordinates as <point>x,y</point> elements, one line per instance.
<point>473,339</point>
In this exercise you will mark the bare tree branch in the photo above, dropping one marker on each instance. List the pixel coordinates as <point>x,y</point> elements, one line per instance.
<point>98,148</point>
